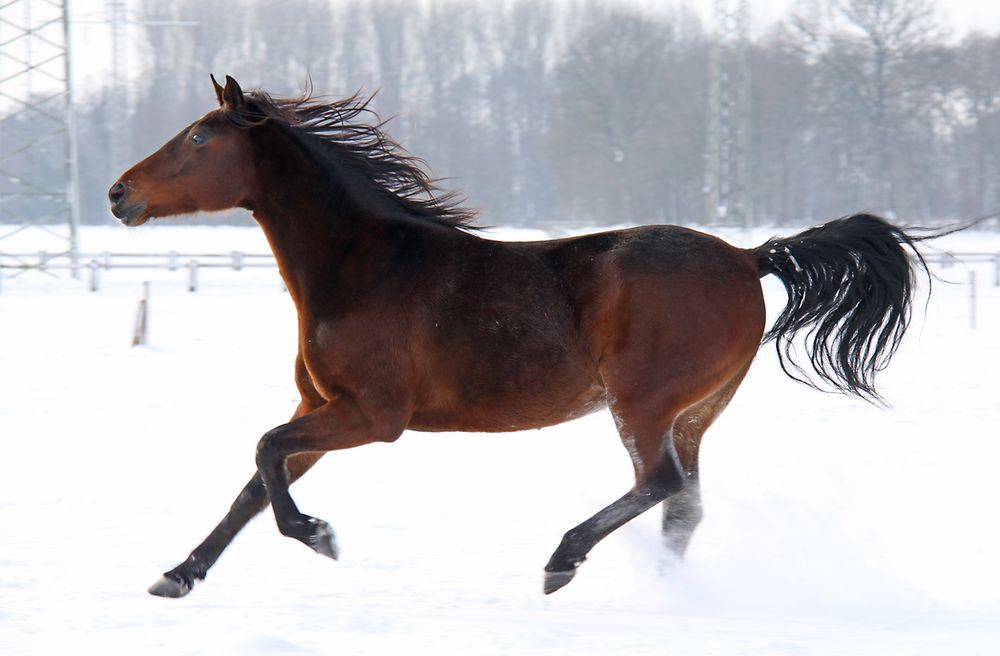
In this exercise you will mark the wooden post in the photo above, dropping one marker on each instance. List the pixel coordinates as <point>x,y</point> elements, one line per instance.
<point>141,335</point>
<point>193,276</point>
<point>972,299</point>
<point>95,276</point>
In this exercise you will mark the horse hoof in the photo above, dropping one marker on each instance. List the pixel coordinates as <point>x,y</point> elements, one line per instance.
<point>556,580</point>
<point>168,587</point>
<point>322,539</point>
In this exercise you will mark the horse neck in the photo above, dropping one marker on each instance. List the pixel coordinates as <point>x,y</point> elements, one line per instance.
<point>321,237</point>
<point>308,219</point>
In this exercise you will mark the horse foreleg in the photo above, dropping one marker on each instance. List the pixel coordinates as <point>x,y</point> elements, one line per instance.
<point>340,424</point>
<point>253,499</point>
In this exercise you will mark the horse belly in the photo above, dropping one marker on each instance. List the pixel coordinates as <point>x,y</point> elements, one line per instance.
<point>518,391</point>
<point>509,414</point>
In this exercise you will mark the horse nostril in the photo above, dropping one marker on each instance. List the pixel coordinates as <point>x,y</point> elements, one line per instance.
<point>117,192</point>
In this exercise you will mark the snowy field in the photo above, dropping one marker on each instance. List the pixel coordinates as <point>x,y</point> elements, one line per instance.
<point>832,527</point>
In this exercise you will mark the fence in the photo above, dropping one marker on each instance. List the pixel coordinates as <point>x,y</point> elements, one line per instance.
<point>91,265</point>
<point>15,264</point>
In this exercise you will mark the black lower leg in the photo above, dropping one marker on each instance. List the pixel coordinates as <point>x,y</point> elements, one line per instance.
<point>271,458</point>
<point>668,479</point>
<point>179,581</point>
<point>251,501</point>
<point>578,541</point>
<point>681,515</point>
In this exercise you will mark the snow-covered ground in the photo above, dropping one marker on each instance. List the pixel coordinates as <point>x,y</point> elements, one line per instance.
<point>831,527</point>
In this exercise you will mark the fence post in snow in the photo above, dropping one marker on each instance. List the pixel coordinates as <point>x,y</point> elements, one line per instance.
<point>996,270</point>
<point>193,276</point>
<point>172,261</point>
<point>95,276</point>
<point>141,334</point>
<point>972,299</point>
<point>237,261</point>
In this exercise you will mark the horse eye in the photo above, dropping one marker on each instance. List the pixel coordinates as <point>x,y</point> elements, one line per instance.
<point>197,138</point>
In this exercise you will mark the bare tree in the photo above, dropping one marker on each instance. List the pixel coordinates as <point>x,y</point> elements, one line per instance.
<point>975,98</point>
<point>863,48</point>
<point>608,106</point>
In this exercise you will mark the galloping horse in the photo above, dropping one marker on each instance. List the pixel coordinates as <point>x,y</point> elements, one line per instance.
<point>407,319</point>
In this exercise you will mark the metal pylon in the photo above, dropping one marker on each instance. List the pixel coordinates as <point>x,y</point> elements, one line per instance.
<point>39,178</point>
<point>727,180</point>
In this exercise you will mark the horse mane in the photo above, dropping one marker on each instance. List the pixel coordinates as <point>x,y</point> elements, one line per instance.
<point>339,127</point>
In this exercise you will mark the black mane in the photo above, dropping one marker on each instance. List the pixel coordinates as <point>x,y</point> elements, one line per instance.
<point>364,147</point>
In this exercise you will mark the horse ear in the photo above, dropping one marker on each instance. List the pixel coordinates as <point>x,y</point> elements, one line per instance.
<point>218,90</point>
<point>232,95</point>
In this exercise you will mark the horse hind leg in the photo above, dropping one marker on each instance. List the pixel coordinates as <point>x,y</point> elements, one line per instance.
<point>683,512</point>
<point>659,475</point>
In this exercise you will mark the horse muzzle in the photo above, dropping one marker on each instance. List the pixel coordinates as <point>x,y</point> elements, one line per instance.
<point>130,213</point>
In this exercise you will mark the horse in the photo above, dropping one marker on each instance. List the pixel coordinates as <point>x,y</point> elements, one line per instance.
<point>408,318</point>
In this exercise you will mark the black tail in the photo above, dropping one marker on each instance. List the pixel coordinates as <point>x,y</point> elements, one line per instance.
<point>850,282</point>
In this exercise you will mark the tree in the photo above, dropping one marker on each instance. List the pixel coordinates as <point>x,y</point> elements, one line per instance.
<point>608,110</point>
<point>975,97</point>
<point>863,49</point>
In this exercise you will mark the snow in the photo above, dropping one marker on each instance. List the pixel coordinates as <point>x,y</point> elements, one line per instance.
<point>831,527</point>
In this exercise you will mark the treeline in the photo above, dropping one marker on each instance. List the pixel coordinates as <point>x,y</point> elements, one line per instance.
<point>576,113</point>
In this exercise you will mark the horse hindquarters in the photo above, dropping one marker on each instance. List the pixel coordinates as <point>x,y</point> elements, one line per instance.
<point>679,338</point>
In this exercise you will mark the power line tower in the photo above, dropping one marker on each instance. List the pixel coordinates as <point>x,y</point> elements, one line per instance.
<point>727,180</point>
<point>39,177</point>
<point>118,108</point>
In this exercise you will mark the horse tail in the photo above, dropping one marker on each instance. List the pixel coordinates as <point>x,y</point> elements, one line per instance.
<point>850,283</point>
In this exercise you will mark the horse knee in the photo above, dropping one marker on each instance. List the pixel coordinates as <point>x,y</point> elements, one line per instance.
<point>268,451</point>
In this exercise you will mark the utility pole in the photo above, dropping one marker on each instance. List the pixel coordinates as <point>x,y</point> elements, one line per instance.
<point>727,180</point>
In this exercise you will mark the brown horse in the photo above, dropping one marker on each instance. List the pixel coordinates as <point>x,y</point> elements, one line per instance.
<point>407,319</point>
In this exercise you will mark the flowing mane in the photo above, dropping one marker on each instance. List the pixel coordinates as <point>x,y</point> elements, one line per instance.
<point>339,128</point>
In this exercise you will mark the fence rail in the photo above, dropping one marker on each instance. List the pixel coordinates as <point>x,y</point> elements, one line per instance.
<point>92,264</point>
